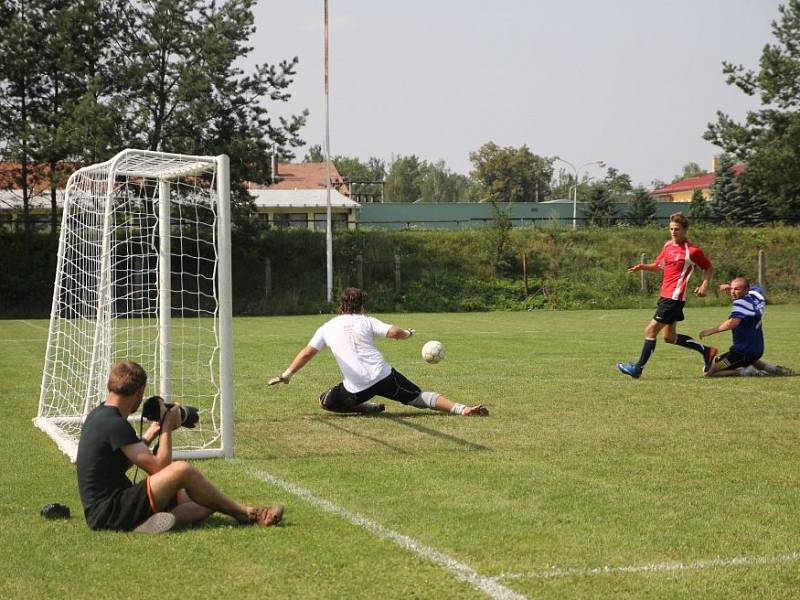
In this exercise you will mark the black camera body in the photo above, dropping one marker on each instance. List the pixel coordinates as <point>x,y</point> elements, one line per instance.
<point>152,411</point>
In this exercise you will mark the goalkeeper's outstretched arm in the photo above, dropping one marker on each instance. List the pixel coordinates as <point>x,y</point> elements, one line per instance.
<point>300,361</point>
<point>398,333</point>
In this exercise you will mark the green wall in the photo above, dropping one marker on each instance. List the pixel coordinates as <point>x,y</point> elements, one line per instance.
<point>465,215</point>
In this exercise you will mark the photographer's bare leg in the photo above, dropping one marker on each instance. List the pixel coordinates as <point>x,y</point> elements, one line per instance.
<point>168,482</point>
<point>189,512</point>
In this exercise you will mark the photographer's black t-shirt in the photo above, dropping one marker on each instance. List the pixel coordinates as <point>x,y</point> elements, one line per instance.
<point>101,464</point>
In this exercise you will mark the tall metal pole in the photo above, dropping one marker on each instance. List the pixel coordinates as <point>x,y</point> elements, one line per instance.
<point>328,224</point>
<point>577,171</point>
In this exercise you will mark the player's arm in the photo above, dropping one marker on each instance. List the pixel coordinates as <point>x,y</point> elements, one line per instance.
<point>701,289</point>
<point>644,267</point>
<point>300,361</point>
<point>398,333</point>
<point>731,323</point>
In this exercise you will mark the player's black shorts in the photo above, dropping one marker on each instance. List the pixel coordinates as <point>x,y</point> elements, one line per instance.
<point>669,311</point>
<point>394,386</point>
<point>735,360</point>
<point>126,509</point>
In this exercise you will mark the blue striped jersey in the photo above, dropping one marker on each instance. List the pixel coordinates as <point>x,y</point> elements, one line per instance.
<point>748,337</point>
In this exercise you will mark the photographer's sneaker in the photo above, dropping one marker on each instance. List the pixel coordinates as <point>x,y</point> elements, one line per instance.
<point>630,369</point>
<point>159,522</point>
<point>268,515</point>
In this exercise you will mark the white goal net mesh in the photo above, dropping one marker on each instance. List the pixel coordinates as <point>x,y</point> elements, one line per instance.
<point>139,278</point>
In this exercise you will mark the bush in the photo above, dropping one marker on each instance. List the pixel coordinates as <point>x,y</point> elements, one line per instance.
<point>444,270</point>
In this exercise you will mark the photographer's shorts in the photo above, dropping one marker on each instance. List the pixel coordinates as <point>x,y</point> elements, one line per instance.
<point>669,311</point>
<point>394,386</point>
<point>125,510</point>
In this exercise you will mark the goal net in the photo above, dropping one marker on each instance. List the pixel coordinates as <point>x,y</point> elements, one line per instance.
<point>143,274</point>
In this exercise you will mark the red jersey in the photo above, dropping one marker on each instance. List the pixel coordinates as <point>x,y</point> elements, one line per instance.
<point>678,262</point>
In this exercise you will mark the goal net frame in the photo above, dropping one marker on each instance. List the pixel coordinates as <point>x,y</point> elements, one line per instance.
<point>144,274</point>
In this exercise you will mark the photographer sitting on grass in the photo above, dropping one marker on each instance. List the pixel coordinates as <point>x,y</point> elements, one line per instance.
<point>174,493</point>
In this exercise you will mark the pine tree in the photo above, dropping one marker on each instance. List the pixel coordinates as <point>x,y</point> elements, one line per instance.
<point>699,209</point>
<point>724,191</point>
<point>599,210</point>
<point>768,140</point>
<point>642,210</point>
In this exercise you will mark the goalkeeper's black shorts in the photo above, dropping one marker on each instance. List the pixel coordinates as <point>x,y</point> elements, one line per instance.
<point>395,386</point>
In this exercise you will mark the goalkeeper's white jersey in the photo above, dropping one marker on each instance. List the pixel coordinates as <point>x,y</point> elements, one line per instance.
<point>351,339</point>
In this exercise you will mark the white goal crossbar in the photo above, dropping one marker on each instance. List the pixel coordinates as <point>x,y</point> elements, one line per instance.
<point>144,274</point>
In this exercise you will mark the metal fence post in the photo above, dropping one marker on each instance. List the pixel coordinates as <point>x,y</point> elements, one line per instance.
<point>267,278</point>
<point>360,270</point>
<point>643,260</point>
<point>397,273</point>
<point>761,268</point>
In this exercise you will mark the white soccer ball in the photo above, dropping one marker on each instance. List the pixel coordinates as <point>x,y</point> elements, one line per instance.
<point>433,352</point>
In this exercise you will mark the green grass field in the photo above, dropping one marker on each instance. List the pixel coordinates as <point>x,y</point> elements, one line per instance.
<point>581,484</point>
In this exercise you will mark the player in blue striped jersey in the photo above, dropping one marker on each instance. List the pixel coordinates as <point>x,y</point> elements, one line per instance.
<point>745,323</point>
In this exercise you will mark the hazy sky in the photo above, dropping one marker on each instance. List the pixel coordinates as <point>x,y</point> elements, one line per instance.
<point>630,82</point>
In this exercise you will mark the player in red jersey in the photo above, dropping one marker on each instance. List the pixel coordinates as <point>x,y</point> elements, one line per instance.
<point>677,260</point>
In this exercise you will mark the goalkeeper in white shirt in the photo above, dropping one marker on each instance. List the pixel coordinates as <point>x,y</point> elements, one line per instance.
<point>365,372</point>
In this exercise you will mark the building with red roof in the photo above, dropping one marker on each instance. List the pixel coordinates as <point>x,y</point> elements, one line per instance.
<point>681,191</point>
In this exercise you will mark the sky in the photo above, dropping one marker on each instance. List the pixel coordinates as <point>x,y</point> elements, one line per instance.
<point>631,82</point>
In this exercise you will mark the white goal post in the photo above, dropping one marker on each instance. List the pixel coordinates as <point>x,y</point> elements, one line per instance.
<point>144,274</point>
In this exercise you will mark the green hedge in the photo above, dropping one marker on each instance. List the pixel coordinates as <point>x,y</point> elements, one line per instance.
<point>473,270</point>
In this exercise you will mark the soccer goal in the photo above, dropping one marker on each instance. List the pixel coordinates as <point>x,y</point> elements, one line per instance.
<point>144,274</point>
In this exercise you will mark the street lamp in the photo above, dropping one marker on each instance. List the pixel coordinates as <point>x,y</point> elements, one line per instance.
<point>577,170</point>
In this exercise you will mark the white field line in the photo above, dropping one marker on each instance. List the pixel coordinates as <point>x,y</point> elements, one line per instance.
<point>35,326</point>
<point>488,585</point>
<point>714,563</point>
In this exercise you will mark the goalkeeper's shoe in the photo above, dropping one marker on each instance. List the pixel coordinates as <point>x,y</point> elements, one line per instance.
<point>786,371</point>
<point>159,522</point>
<point>709,354</point>
<point>476,411</point>
<point>630,369</point>
<point>268,515</point>
<point>369,408</point>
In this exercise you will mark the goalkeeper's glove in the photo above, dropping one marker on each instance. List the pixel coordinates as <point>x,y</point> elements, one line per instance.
<point>410,332</point>
<point>282,378</point>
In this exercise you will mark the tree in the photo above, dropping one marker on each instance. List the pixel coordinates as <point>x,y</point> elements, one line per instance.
<point>365,179</point>
<point>690,169</point>
<point>183,90</point>
<point>642,209</point>
<point>440,184</point>
<point>617,184</point>
<point>99,75</point>
<point>511,174</point>
<point>315,155</point>
<point>22,91</point>
<point>724,189</point>
<point>698,208</point>
<point>768,141</point>
<point>599,209</point>
<point>403,181</point>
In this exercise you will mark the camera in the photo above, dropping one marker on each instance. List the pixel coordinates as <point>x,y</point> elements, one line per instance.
<point>152,411</point>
